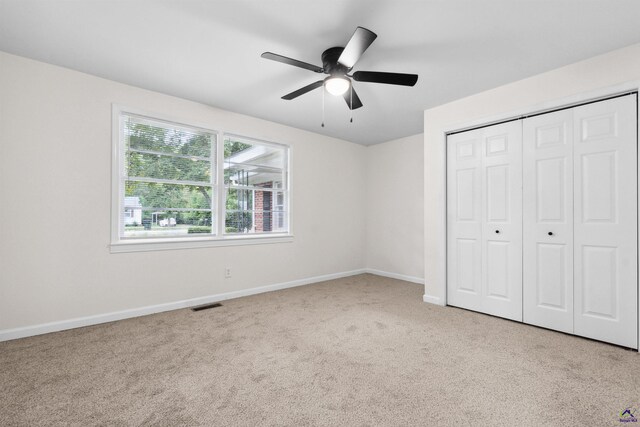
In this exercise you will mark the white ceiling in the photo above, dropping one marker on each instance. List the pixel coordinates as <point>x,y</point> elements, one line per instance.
<point>209,51</point>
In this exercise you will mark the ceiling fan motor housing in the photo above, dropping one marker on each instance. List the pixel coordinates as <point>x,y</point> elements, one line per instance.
<point>330,61</point>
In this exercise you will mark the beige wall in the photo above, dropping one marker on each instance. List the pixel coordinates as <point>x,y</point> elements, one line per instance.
<point>395,208</point>
<point>55,187</point>
<point>533,94</point>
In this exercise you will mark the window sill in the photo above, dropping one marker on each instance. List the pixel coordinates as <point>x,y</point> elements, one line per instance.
<point>146,245</point>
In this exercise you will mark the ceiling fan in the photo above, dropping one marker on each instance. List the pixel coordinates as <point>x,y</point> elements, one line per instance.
<point>338,62</point>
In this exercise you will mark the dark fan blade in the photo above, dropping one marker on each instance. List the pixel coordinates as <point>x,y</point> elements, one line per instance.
<point>388,78</point>
<point>302,91</point>
<point>360,41</point>
<point>294,62</point>
<point>356,100</point>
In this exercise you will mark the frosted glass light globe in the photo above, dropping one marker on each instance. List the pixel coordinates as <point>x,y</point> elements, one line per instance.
<point>337,85</point>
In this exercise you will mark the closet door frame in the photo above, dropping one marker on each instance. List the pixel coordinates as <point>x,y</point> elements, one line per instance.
<point>628,88</point>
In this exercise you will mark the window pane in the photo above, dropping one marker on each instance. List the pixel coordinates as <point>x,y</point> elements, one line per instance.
<point>246,175</point>
<point>144,134</point>
<point>168,179</point>
<point>252,171</point>
<point>238,199</point>
<point>239,222</point>
<point>167,223</point>
<point>280,210</point>
<point>255,211</point>
<point>252,164</point>
<point>160,195</point>
<point>254,221</point>
<point>145,165</point>
<point>279,221</point>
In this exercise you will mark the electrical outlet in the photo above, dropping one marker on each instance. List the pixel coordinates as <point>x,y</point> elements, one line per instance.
<point>227,273</point>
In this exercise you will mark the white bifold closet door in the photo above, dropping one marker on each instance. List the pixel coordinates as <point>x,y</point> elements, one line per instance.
<point>542,220</point>
<point>605,221</point>
<point>548,220</point>
<point>484,220</point>
<point>580,221</point>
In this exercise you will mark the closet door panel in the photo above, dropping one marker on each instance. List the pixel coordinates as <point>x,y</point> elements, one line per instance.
<point>484,220</point>
<point>551,285</point>
<point>464,246</point>
<point>502,220</point>
<point>605,200</point>
<point>548,220</point>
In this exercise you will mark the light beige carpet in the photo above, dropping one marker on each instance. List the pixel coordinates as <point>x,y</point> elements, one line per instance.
<point>363,350</point>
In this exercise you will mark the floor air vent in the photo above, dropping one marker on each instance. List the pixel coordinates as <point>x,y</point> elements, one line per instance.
<point>206,306</point>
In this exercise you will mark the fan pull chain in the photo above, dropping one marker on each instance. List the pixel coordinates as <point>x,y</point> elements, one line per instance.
<point>351,102</point>
<point>322,106</point>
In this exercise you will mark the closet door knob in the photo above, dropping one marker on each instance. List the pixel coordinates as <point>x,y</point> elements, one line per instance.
<point>497,231</point>
<point>550,233</point>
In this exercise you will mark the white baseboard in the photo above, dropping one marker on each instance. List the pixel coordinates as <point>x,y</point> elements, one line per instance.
<point>395,275</point>
<point>432,300</point>
<point>44,328</point>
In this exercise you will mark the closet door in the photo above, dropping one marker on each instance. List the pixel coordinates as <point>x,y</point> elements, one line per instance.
<point>548,220</point>
<point>502,220</point>
<point>484,220</point>
<point>605,221</point>
<point>464,219</point>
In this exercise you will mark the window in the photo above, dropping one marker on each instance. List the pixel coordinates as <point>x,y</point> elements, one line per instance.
<point>169,176</point>
<point>255,176</point>
<point>174,185</point>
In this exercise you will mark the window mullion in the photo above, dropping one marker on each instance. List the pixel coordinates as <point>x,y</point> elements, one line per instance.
<point>220,218</point>
<point>213,167</point>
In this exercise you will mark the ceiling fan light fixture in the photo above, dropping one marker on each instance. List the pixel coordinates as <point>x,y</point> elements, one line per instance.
<point>337,63</point>
<point>337,85</point>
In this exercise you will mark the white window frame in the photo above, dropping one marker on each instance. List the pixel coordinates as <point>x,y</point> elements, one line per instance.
<point>218,237</point>
<point>286,185</point>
